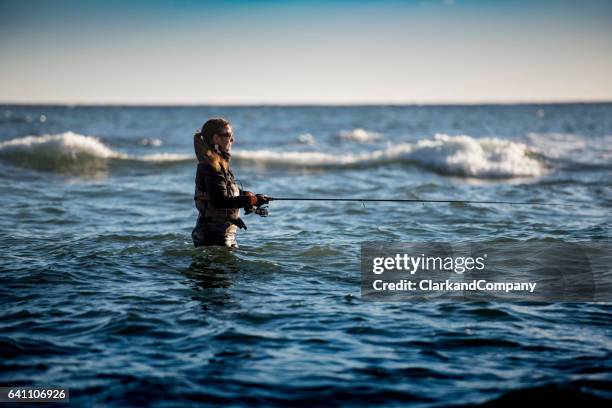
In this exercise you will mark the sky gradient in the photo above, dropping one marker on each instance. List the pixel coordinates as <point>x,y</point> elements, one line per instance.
<point>284,52</point>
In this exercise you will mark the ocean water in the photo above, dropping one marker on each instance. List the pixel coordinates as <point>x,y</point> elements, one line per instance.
<point>102,291</point>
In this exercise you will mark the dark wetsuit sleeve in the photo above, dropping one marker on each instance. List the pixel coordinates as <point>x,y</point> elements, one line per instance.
<point>217,190</point>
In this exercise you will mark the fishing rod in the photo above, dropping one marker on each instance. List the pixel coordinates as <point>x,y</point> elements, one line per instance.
<point>413,200</point>
<point>262,210</point>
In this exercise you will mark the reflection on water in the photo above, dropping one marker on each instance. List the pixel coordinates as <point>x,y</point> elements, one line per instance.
<point>211,272</point>
<point>213,267</point>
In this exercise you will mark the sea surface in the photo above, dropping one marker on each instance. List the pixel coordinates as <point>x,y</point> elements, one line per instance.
<point>102,291</point>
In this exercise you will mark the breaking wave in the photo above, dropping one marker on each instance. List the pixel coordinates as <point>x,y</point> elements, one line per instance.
<point>453,155</point>
<point>70,152</point>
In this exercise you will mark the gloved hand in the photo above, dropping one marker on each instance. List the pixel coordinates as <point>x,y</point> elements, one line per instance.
<point>247,193</point>
<point>259,200</point>
<point>262,199</point>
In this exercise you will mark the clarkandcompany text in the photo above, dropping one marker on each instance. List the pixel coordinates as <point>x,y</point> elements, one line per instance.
<point>447,285</point>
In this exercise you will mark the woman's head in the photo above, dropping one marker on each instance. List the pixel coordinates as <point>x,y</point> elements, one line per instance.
<point>215,133</point>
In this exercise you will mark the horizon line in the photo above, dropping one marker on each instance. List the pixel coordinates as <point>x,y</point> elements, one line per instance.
<point>299,104</point>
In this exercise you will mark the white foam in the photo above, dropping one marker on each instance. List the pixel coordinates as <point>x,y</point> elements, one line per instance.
<point>71,150</point>
<point>306,138</point>
<point>486,157</point>
<point>150,142</point>
<point>165,157</point>
<point>360,135</point>
<point>456,155</point>
<point>68,146</point>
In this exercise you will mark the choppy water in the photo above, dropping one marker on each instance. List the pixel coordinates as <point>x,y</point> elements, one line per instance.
<point>102,291</point>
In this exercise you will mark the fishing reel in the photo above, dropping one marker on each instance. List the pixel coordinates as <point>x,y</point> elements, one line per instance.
<point>262,209</point>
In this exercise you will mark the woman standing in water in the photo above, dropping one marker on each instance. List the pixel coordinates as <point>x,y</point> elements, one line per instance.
<point>217,196</point>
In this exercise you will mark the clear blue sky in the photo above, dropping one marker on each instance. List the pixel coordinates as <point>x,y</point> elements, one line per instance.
<point>248,52</point>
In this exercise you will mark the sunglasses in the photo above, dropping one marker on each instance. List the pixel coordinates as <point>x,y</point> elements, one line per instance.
<point>225,134</point>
